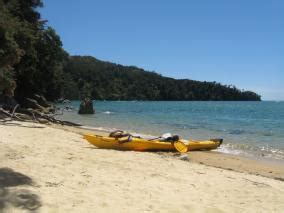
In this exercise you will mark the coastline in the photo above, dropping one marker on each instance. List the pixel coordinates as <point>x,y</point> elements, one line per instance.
<point>262,167</point>
<point>249,129</point>
<point>67,174</point>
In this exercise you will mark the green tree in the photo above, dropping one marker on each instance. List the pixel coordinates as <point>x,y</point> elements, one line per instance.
<point>31,54</point>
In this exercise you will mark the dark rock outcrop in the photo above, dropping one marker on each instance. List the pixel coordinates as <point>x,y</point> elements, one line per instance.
<point>86,107</point>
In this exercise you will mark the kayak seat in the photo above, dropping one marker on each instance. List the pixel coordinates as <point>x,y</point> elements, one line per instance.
<point>121,136</point>
<point>171,139</point>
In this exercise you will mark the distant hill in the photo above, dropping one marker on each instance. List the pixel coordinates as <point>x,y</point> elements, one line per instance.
<point>32,61</point>
<point>86,75</point>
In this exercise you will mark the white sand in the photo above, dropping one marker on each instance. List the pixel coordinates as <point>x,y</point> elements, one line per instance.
<point>69,175</point>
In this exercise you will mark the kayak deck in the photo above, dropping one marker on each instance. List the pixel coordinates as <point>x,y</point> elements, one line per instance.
<point>136,144</point>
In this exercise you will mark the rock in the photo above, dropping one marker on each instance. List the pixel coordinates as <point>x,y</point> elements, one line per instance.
<point>86,107</point>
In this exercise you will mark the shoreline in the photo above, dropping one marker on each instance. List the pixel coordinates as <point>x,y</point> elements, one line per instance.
<point>245,147</point>
<point>53,169</point>
<point>257,166</point>
<point>243,133</point>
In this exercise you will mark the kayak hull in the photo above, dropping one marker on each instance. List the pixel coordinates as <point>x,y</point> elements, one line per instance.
<point>136,144</point>
<point>139,144</point>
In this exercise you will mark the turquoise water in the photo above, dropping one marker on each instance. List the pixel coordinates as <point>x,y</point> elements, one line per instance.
<point>248,128</point>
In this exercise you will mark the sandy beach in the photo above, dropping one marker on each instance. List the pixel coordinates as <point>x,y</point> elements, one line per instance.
<point>49,169</point>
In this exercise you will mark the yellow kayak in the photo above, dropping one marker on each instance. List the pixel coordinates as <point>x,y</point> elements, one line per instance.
<point>194,145</point>
<point>140,144</point>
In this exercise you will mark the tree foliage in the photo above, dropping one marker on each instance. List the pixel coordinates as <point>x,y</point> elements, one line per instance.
<point>109,81</point>
<point>31,54</point>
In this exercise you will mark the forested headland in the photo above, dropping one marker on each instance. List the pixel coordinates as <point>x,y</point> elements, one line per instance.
<point>32,61</point>
<point>109,81</point>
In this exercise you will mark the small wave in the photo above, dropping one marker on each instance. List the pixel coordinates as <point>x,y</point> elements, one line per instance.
<point>267,152</point>
<point>228,149</point>
<point>102,129</point>
<point>108,112</point>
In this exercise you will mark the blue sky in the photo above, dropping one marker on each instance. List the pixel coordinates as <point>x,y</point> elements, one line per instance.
<point>239,42</point>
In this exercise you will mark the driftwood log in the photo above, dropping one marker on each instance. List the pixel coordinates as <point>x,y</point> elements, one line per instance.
<point>36,109</point>
<point>31,115</point>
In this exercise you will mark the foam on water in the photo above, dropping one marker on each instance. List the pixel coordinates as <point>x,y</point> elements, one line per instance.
<point>107,112</point>
<point>102,129</point>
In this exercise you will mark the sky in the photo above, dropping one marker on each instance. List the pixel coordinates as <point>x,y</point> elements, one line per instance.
<point>235,42</point>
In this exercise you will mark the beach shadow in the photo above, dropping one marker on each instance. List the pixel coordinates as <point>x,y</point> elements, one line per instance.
<point>9,177</point>
<point>17,198</point>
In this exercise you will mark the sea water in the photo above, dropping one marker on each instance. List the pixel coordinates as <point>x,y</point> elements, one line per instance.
<point>248,128</point>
